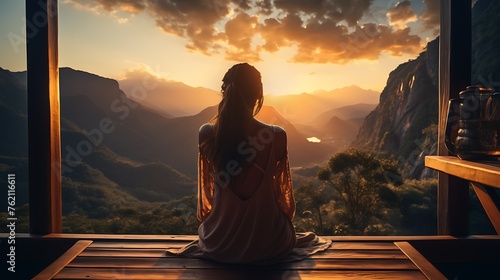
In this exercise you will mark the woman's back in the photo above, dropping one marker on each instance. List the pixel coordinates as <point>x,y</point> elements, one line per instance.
<point>246,223</point>
<point>261,141</point>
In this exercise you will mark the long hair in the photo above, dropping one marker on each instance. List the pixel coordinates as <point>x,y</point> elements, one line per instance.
<point>242,96</point>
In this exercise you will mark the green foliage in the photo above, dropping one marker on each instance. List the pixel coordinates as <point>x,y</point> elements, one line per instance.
<point>418,206</point>
<point>175,217</point>
<point>360,183</point>
<point>360,194</point>
<point>410,209</point>
<point>311,204</point>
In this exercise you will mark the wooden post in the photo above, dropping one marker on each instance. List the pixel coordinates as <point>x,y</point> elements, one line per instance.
<point>44,149</point>
<point>454,76</point>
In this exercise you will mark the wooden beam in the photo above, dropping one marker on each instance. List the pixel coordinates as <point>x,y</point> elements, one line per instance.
<point>484,173</point>
<point>50,271</point>
<point>491,203</point>
<point>426,267</point>
<point>461,250</point>
<point>454,76</point>
<point>44,147</point>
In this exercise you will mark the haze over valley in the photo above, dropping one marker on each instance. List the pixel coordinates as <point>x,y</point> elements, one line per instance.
<point>327,115</point>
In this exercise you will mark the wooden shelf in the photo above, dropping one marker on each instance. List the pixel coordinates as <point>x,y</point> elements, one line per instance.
<point>486,173</point>
<point>484,177</point>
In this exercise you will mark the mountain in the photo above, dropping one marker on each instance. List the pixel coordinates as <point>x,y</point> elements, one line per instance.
<point>13,106</point>
<point>128,147</point>
<point>301,151</point>
<point>158,94</point>
<point>14,140</point>
<point>349,95</point>
<point>304,108</point>
<point>403,125</point>
<point>340,129</point>
<point>356,111</point>
<point>102,132</point>
<point>408,105</point>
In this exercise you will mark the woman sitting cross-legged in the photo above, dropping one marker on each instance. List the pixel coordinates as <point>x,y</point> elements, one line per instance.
<point>245,196</point>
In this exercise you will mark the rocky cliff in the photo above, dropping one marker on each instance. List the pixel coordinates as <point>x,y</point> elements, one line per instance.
<point>403,125</point>
<point>408,105</point>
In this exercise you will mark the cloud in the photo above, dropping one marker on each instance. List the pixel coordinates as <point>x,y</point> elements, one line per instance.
<point>401,14</point>
<point>430,17</point>
<point>322,31</point>
<point>349,11</point>
<point>327,44</point>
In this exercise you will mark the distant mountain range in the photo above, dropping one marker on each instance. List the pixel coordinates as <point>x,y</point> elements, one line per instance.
<point>309,113</point>
<point>143,154</point>
<point>175,99</point>
<point>305,108</point>
<point>169,98</point>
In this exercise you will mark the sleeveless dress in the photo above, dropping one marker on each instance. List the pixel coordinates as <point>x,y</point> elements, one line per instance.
<point>255,230</point>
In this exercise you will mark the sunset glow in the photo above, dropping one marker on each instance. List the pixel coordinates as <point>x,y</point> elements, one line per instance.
<point>299,46</point>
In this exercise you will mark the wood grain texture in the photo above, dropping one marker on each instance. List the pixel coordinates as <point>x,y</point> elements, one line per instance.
<point>483,173</point>
<point>175,244</point>
<point>147,260</point>
<point>250,274</point>
<point>190,263</point>
<point>328,254</point>
<point>44,133</point>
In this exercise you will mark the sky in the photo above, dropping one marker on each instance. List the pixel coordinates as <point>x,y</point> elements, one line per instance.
<point>297,45</point>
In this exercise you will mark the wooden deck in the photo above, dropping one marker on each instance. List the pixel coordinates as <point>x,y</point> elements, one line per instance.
<point>142,259</point>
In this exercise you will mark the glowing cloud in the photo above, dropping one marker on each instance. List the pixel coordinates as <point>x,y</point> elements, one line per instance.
<point>321,31</point>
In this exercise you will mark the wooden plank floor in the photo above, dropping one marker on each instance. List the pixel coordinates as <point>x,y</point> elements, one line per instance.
<point>147,260</point>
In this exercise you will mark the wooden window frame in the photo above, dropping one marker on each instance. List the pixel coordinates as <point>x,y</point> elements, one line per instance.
<point>45,185</point>
<point>44,140</point>
<point>454,76</point>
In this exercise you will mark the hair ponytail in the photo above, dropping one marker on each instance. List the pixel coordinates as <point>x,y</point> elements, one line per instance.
<point>242,95</point>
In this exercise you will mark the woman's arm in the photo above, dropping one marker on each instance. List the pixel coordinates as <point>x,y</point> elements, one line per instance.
<point>283,179</point>
<point>205,182</point>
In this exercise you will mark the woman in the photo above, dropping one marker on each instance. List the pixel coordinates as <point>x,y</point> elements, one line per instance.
<point>245,198</point>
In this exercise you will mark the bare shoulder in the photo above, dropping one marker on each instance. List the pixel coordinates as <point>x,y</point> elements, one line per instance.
<point>280,133</point>
<point>205,131</point>
<point>280,141</point>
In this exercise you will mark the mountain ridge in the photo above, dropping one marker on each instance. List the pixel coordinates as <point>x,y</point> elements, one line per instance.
<point>103,132</point>
<point>158,93</point>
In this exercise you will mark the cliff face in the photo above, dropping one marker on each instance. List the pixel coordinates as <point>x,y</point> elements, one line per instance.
<point>402,124</point>
<point>408,105</point>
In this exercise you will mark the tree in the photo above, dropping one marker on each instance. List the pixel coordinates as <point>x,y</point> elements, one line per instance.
<point>361,185</point>
<point>311,201</point>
